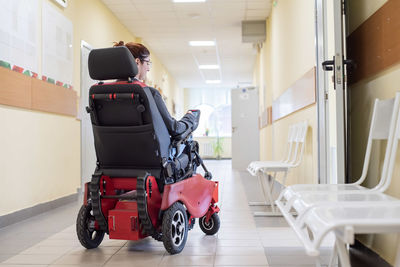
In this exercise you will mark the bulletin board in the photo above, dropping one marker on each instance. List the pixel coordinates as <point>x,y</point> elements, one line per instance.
<point>19,36</point>
<point>57,50</point>
<point>21,85</point>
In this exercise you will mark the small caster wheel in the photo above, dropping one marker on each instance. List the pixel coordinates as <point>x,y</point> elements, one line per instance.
<point>175,228</point>
<point>85,228</point>
<point>212,227</point>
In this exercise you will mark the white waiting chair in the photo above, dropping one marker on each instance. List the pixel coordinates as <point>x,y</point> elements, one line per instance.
<point>348,212</point>
<point>262,169</point>
<point>303,196</point>
<point>254,166</point>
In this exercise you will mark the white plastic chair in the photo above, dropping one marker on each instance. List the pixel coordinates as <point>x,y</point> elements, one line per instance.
<point>347,212</point>
<point>382,127</point>
<point>262,169</point>
<point>254,166</point>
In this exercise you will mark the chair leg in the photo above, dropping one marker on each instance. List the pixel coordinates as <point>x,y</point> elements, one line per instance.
<point>343,253</point>
<point>271,186</point>
<point>268,189</point>
<point>332,260</point>
<point>261,184</point>
<point>317,262</point>
<point>284,178</point>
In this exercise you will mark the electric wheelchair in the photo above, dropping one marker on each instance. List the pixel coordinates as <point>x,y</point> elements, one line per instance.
<point>143,184</point>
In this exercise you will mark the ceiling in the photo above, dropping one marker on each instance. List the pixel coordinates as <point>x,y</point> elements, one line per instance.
<point>167,27</point>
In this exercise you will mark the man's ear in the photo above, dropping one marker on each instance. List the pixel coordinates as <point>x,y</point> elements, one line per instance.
<point>137,60</point>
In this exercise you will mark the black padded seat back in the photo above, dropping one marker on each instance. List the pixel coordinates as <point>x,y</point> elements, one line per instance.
<point>123,130</point>
<point>129,132</point>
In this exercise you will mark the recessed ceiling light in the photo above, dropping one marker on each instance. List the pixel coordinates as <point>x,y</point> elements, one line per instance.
<point>187,1</point>
<point>208,67</point>
<point>213,81</point>
<point>202,43</point>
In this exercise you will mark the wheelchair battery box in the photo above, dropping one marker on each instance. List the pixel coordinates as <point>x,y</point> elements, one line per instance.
<point>123,221</point>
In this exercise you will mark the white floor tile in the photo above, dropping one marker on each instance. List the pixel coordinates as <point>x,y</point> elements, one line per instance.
<point>240,260</point>
<point>32,259</point>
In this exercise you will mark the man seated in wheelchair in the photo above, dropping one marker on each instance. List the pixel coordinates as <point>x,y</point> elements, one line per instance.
<point>145,182</point>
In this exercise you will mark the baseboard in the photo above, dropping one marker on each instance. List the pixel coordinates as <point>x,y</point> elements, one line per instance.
<point>27,213</point>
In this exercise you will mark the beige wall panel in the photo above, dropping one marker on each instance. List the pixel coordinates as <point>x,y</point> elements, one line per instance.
<point>306,173</point>
<point>266,144</point>
<point>287,54</point>
<point>39,160</point>
<point>267,71</point>
<point>292,42</point>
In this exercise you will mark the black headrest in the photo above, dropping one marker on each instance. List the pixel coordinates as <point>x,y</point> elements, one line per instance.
<point>112,63</point>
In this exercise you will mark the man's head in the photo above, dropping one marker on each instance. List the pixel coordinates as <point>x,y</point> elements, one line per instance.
<point>141,55</point>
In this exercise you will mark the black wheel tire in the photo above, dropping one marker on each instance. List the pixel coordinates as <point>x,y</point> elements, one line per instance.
<point>89,238</point>
<point>212,227</point>
<point>175,228</point>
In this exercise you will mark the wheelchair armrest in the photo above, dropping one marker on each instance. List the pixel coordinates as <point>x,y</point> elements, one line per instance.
<point>181,137</point>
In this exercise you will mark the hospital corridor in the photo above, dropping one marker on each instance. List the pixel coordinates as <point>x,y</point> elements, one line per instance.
<point>200,133</point>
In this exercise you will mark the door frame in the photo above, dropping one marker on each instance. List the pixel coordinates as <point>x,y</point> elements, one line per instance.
<point>325,159</point>
<point>82,110</point>
<point>322,81</point>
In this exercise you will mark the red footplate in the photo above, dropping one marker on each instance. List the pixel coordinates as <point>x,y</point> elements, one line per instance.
<point>123,221</point>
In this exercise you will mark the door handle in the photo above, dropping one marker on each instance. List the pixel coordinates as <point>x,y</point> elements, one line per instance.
<point>327,65</point>
<point>234,129</point>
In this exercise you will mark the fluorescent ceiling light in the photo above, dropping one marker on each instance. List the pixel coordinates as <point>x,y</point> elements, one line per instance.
<point>202,43</point>
<point>187,1</point>
<point>208,67</point>
<point>213,81</point>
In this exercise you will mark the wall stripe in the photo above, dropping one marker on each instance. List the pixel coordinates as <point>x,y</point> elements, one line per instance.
<point>19,90</point>
<point>300,95</point>
<point>375,44</point>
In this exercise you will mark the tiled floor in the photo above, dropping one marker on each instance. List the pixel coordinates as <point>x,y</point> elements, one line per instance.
<point>50,239</point>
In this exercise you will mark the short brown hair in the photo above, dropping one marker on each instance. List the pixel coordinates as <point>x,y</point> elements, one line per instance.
<point>138,50</point>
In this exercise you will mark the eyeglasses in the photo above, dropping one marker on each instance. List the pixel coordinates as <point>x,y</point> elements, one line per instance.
<point>147,61</point>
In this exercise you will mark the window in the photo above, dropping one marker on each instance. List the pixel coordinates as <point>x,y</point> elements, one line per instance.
<point>215,107</point>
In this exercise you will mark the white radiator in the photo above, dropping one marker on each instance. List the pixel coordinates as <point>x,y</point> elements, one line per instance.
<point>206,150</point>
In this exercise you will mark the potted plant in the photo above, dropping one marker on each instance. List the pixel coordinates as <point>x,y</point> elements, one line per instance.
<point>218,149</point>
